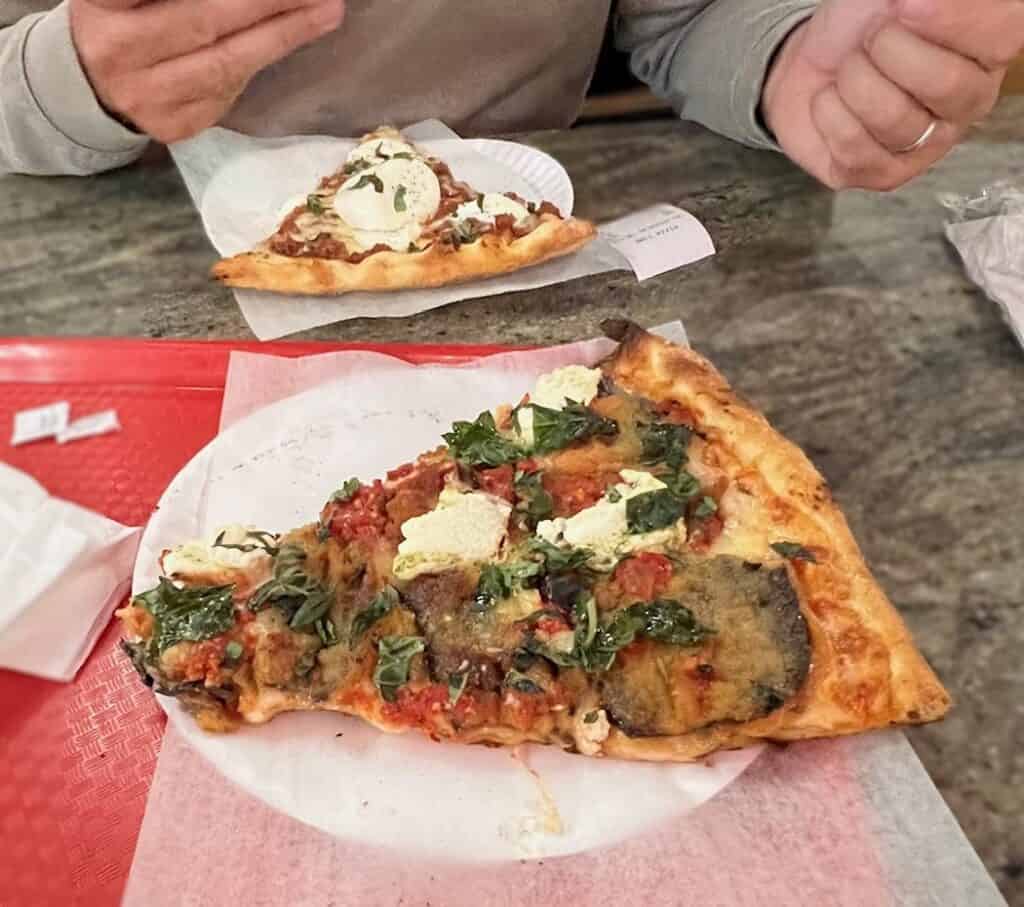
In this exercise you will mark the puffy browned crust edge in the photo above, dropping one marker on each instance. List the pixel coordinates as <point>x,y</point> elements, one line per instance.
<point>866,671</point>
<point>492,254</point>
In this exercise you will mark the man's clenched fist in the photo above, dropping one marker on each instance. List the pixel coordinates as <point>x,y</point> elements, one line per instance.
<point>870,93</point>
<point>173,67</point>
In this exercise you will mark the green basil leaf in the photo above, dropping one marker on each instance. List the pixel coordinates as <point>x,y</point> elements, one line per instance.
<point>464,232</point>
<point>597,645</point>
<point>316,605</point>
<point>560,560</point>
<point>190,614</point>
<point>400,198</point>
<point>706,508</point>
<point>368,179</point>
<point>400,156</point>
<point>668,621</point>
<point>302,598</point>
<point>315,204</point>
<point>793,551</point>
<point>501,581</point>
<point>653,510</point>
<point>664,442</point>
<point>386,599</point>
<point>355,166</point>
<point>478,443</point>
<point>263,541</point>
<point>327,632</point>
<point>347,491</point>
<point>515,680</point>
<point>532,498</point>
<point>590,717</point>
<point>233,651</point>
<point>394,655</point>
<point>682,484</point>
<point>554,429</point>
<point>457,685</point>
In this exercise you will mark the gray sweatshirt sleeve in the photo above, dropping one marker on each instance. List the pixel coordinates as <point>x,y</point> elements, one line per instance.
<point>50,120</point>
<point>709,58</point>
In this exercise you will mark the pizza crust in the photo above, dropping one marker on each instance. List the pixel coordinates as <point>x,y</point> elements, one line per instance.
<point>866,672</point>
<point>492,254</point>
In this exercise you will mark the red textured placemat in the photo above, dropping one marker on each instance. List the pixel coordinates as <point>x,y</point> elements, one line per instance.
<point>76,760</point>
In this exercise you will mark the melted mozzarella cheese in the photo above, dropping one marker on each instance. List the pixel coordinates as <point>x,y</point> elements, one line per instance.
<point>399,240</point>
<point>198,555</point>
<point>494,203</point>
<point>408,193</point>
<point>575,383</point>
<point>603,528</point>
<point>379,150</point>
<point>464,528</point>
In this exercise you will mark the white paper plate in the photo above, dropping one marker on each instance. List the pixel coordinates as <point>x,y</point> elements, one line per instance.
<point>468,804</point>
<point>248,197</point>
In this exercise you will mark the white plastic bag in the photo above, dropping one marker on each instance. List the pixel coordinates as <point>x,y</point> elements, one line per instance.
<point>988,231</point>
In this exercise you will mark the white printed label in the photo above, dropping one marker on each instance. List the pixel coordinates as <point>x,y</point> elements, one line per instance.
<point>659,239</point>
<point>41,422</point>
<point>89,426</point>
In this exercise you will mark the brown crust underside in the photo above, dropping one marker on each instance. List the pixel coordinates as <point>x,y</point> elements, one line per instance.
<point>492,254</point>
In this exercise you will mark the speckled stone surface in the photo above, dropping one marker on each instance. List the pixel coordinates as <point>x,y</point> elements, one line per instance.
<point>847,319</point>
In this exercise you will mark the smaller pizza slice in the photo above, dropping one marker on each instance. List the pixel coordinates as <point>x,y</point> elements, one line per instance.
<point>394,218</point>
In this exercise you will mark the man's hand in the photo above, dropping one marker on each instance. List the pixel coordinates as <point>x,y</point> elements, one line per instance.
<point>860,83</point>
<point>173,67</point>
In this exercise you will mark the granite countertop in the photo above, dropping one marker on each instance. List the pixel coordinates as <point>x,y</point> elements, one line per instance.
<point>847,319</point>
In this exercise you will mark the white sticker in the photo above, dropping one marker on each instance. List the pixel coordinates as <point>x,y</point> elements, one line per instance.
<point>89,426</point>
<point>659,239</point>
<point>41,422</point>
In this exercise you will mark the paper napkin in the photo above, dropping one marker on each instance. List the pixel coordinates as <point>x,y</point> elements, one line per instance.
<point>63,569</point>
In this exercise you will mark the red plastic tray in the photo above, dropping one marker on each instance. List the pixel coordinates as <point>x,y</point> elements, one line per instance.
<point>76,760</point>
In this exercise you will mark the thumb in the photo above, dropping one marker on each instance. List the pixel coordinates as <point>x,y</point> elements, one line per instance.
<point>839,27</point>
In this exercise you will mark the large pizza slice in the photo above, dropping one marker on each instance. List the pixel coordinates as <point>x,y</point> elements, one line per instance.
<point>630,562</point>
<point>394,217</point>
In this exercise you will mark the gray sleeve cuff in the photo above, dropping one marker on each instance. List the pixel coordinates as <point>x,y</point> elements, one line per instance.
<point>710,59</point>
<point>61,89</point>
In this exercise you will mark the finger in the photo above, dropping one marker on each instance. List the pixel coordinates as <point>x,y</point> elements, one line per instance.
<point>892,116</point>
<point>839,27</point>
<point>990,32</point>
<point>178,27</point>
<point>232,61</point>
<point>858,159</point>
<point>951,86</point>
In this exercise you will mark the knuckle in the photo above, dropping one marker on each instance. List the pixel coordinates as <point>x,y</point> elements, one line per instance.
<point>126,98</point>
<point>200,30</point>
<point>948,84</point>
<point>223,69</point>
